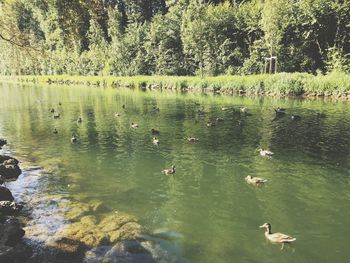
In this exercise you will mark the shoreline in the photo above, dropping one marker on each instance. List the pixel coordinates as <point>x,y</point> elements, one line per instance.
<point>295,85</point>
<point>53,227</point>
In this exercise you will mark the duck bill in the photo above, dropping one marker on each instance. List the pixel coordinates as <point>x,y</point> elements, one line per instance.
<point>263,226</point>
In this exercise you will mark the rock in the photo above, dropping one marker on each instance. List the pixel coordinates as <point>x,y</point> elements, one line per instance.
<point>9,172</point>
<point>9,208</point>
<point>129,231</point>
<point>10,231</point>
<point>17,254</point>
<point>128,252</point>
<point>99,207</point>
<point>75,211</point>
<point>68,248</point>
<point>4,158</point>
<point>85,231</point>
<point>120,227</point>
<point>2,142</point>
<point>5,194</point>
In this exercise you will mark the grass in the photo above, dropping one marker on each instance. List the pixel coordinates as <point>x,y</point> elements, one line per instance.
<point>291,84</point>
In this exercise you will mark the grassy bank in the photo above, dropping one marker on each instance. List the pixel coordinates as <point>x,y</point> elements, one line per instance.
<point>283,84</point>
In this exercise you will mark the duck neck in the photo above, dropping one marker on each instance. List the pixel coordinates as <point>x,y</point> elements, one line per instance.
<point>268,231</point>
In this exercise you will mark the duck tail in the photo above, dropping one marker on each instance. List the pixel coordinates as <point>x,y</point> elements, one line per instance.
<point>291,240</point>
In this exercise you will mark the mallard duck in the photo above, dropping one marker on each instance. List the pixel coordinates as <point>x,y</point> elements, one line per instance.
<point>73,139</point>
<point>192,139</point>
<point>265,152</point>
<point>201,113</point>
<point>154,131</point>
<point>255,180</point>
<point>134,125</point>
<point>280,111</point>
<point>155,140</point>
<point>170,170</point>
<point>210,124</point>
<point>55,131</point>
<point>243,109</point>
<point>295,118</point>
<point>276,237</point>
<point>79,120</point>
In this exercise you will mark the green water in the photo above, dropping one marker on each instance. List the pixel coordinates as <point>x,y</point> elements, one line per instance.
<point>206,212</point>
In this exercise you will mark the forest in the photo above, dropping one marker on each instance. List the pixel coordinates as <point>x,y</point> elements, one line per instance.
<point>169,37</point>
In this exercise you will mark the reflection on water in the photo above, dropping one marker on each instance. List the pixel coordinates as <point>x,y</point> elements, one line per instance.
<point>205,212</point>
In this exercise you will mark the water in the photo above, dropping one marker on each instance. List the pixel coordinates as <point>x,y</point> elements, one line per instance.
<point>205,212</point>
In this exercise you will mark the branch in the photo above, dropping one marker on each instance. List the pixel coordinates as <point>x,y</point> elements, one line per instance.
<point>17,44</point>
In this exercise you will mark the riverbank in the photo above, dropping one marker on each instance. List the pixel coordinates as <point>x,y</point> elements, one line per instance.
<point>335,84</point>
<point>12,247</point>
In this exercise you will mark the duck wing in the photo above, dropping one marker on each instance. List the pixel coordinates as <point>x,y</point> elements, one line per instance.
<point>282,238</point>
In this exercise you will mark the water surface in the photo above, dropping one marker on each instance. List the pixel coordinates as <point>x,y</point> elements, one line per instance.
<point>205,212</point>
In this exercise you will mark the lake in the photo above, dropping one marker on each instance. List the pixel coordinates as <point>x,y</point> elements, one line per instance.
<point>205,212</point>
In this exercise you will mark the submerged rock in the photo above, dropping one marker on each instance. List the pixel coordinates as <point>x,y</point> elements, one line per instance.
<point>5,194</point>
<point>90,232</point>
<point>129,251</point>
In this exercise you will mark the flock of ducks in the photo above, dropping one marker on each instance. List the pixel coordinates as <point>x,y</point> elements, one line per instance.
<point>273,237</point>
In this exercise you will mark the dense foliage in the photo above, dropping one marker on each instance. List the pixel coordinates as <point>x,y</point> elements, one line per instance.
<point>168,37</point>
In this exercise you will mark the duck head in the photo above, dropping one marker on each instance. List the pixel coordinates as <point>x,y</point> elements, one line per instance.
<point>267,226</point>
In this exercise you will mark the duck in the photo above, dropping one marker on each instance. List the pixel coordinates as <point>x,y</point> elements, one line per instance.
<point>170,170</point>
<point>57,115</point>
<point>255,180</point>
<point>243,109</point>
<point>201,113</point>
<point>73,139</point>
<point>192,139</point>
<point>116,114</point>
<point>295,117</point>
<point>219,119</point>
<point>155,141</point>
<point>210,124</point>
<point>79,120</point>
<point>134,125</point>
<point>224,108</point>
<point>276,237</point>
<point>154,131</point>
<point>280,111</point>
<point>265,152</point>
<point>55,131</point>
